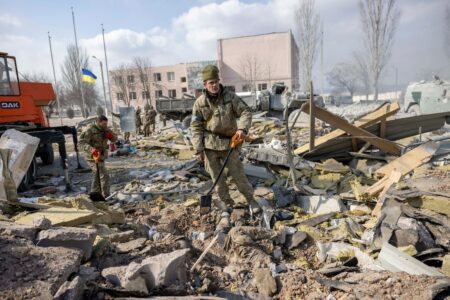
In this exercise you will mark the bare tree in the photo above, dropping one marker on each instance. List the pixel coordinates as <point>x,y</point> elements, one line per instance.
<point>123,85</point>
<point>143,66</point>
<point>72,81</point>
<point>379,20</point>
<point>362,70</point>
<point>35,77</point>
<point>307,24</point>
<point>447,31</point>
<point>344,76</point>
<point>251,69</point>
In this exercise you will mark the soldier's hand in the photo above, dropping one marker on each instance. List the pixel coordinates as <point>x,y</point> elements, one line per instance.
<point>200,156</point>
<point>241,134</point>
<point>108,134</point>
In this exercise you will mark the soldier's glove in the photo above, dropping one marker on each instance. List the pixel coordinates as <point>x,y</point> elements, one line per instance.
<point>108,135</point>
<point>95,153</point>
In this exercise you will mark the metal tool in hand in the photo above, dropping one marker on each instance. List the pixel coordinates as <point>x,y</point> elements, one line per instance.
<point>205,200</point>
<point>97,196</point>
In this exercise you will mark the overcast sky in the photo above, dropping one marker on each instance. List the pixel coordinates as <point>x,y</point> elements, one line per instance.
<point>177,31</point>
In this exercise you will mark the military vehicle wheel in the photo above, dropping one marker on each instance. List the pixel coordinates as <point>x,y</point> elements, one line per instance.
<point>29,178</point>
<point>47,155</point>
<point>414,110</point>
<point>186,123</point>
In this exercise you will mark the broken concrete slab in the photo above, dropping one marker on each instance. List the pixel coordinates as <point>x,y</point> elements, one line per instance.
<point>320,204</point>
<point>120,237</point>
<point>23,147</point>
<point>71,290</point>
<point>60,216</point>
<point>334,250</point>
<point>162,270</point>
<point>264,282</point>
<point>68,237</point>
<point>446,265</point>
<point>394,260</point>
<point>25,231</point>
<point>131,245</point>
<point>295,239</point>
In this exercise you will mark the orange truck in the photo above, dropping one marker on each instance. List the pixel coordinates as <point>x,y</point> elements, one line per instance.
<point>22,107</point>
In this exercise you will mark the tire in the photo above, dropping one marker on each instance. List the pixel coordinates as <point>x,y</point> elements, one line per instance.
<point>29,178</point>
<point>414,110</point>
<point>186,123</point>
<point>47,155</point>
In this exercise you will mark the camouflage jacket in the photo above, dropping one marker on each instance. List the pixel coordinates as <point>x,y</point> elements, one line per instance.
<point>94,137</point>
<point>150,116</point>
<point>214,123</point>
<point>138,120</point>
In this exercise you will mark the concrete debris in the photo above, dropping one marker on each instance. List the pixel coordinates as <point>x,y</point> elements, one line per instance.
<point>363,215</point>
<point>68,237</point>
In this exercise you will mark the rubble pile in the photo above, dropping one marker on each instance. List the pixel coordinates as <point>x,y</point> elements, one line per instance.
<point>356,223</point>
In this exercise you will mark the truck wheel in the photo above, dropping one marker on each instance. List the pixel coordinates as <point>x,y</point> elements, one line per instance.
<point>414,110</point>
<point>186,123</point>
<point>29,178</point>
<point>47,155</point>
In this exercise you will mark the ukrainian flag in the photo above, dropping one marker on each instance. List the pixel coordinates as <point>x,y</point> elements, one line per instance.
<point>88,76</point>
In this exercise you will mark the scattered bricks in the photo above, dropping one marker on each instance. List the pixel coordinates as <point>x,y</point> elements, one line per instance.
<point>24,231</point>
<point>71,290</point>
<point>264,282</point>
<point>68,237</point>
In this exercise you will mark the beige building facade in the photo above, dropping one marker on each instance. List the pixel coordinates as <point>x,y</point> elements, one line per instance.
<point>255,63</point>
<point>248,63</point>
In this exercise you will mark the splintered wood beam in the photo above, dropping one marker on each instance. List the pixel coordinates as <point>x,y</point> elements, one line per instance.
<point>371,118</point>
<point>355,131</point>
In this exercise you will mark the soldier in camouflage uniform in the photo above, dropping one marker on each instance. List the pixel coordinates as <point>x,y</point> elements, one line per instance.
<point>214,122</point>
<point>150,121</point>
<point>94,141</point>
<point>138,121</point>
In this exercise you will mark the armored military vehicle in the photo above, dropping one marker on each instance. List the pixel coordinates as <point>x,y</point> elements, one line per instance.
<point>427,97</point>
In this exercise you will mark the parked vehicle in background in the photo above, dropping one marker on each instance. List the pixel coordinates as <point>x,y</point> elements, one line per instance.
<point>426,97</point>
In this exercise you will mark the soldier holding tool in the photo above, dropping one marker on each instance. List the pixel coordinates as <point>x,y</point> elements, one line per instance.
<point>94,142</point>
<point>214,123</point>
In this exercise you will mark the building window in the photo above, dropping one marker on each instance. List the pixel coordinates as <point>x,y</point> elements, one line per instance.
<point>262,86</point>
<point>184,90</point>
<point>170,76</point>
<point>146,95</point>
<point>158,93</point>
<point>172,93</point>
<point>156,76</point>
<point>231,88</point>
<point>183,79</point>
<point>132,95</point>
<point>130,78</point>
<point>247,88</point>
<point>119,96</point>
<point>118,79</point>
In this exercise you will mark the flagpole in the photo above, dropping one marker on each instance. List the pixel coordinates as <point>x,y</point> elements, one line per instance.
<point>103,84</point>
<point>83,109</point>
<point>107,70</point>
<point>54,78</point>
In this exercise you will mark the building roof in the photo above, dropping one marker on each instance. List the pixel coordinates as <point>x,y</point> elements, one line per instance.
<point>253,35</point>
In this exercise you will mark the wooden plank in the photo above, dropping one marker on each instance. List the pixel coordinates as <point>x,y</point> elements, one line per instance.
<point>159,144</point>
<point>411,160</point>
<point>393,178</point>
<point>382,112</point>
<point>360,133</point>
<point>383,128</point>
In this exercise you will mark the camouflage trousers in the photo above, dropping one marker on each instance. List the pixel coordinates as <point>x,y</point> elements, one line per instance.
<point>104,178</point>
<point>149,128</point>
<point>213,162</point>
